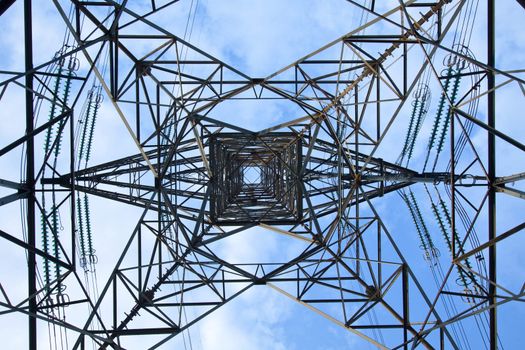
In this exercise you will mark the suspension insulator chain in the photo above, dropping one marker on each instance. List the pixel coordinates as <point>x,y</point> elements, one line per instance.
<point>86,122</point>
<point>448,117</point>
<point>65,98</point>
<point>462,275</point>
<point>439,114</point>
<point>426,233</point>
<point>45,245</point>
<point>87,214</point>
<point>416,224</point>
<point>97,99</point>
<point>82,239</point>
<point>52,111</point>
<point>419,121</point>
<point>55,236</point>
<point>408,136</point>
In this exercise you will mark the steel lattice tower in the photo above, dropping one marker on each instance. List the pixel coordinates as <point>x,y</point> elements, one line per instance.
<point>318,177</point>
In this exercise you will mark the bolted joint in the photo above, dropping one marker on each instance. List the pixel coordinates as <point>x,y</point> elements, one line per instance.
<point>158,183</point>
<point>143,68</point>
<point>372,292</point>
<point>259,281</point>
<point>146,297</point>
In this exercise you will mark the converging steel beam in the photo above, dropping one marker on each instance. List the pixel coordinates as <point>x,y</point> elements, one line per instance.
<point>30,178</point>
<point>4,5</point>
<point>491,121</point>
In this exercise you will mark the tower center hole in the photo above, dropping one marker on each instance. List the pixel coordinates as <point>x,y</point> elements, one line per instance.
<point>252,175</point>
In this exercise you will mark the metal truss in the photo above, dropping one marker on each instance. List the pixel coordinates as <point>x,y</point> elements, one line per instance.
<point>317,178</point>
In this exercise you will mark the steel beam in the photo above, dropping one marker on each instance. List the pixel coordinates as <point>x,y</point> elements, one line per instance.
<point>491,116</point>
<point>30,177</point>
<point>5,5</point>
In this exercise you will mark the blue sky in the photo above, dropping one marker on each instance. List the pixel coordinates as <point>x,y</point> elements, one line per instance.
<point>258,38</point>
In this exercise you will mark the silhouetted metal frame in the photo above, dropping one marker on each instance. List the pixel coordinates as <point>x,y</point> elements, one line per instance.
<point>69,182</point>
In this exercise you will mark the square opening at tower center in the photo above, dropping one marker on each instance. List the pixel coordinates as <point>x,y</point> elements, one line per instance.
<point>255,178</point>
<point>252,175</point>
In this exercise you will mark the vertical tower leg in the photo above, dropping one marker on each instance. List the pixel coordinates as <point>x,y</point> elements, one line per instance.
<point>492,175</point>
<point>30,175</point>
